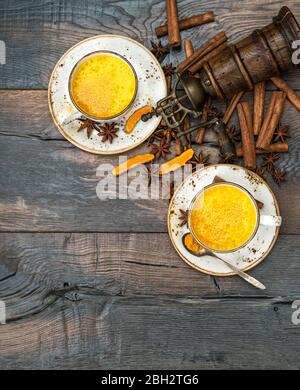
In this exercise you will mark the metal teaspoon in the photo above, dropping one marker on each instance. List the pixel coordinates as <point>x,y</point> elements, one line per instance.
<point>240,273</point>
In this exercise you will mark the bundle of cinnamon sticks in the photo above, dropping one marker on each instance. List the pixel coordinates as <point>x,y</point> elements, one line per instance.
<point>257,129</point>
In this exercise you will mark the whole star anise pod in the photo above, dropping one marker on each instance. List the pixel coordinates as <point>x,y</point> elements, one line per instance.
<point>199,159</point>
<point>108,131</point>
<point>213,112</point>
<point>159,50</point>
<point>156,136</point>
<point>279,176</point>
<point>167,133</point>
<point>281,134</point>
<point>168,70</point>
<point>233,133</point>
<point>260,171</point>
<point>161,149</point>
<point>184,216</point>
<point>269,161</point>
<point>225,159</point>
<point>87,124</point>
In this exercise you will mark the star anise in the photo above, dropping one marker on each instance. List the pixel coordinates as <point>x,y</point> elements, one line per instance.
<point>260,171</point>
<point>213,112</point>
<point>159,50</point>
<point>269,161</point>
<point>226,159</point>
<point>108,131</point>
<point>87,124</point>
<point>233,133</point>
<point>279,176</point>
<point>199,159</point>
<point>281,134</point>
<point>167,133</point>
<point>184,215</point>
<point>161,149</point>
<point>169,70</point>
<point>156,136</point>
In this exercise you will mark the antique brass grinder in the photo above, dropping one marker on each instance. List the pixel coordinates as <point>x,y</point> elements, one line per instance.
<point>265,53</point>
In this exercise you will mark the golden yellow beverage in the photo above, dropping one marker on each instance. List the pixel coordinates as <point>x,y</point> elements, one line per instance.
<point>223,217</point>
<point>103,85</point>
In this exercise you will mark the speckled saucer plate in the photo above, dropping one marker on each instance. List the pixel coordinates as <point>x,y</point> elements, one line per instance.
<point>257,249</point>
<point>151,88</point>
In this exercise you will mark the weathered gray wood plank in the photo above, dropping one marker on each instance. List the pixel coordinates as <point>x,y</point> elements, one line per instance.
<point>154,333</point>
<point>37,33</point>
<point>49,185</point>
<point>36,269</point>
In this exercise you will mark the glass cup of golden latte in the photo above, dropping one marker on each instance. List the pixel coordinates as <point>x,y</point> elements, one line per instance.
<point>103,85</point>
<point>224,217</point>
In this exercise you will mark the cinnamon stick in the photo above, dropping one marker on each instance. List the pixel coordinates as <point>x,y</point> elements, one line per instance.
<point>188,48</point>
<point>273,148</point>
<point>213,43</point>
<point>199,64</point>
<point>232,106</point>
<point>290,93</point>
<point>271,120</point>
<point>173,23</point>
<point>258,106</point>
<point>247,137</point>
<point>247,111</point>
<point>201,132</point>
<point>169,83</point>
<point>184,24</point>
<point>178,147</point>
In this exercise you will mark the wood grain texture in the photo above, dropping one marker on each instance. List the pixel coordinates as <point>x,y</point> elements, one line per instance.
<point>127,300</point>
<point>122,300</point>
<point>50,185</point>
<point>95,332</point>
<point>37,33</point>
<point>38,267</point>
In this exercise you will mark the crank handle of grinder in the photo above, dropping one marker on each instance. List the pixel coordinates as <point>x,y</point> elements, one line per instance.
<point>149,115</point>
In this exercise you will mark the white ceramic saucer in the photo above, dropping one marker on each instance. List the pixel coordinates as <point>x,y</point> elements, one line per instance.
<point>247,257</point>
<point>151,88</point>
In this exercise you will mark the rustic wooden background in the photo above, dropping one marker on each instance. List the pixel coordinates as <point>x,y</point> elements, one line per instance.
<point>91,284</point>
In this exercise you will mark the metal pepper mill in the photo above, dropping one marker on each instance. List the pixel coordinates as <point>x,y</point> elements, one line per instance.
<point>263,54</point>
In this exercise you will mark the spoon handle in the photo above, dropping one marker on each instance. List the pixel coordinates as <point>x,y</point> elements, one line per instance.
<point>243,275</point>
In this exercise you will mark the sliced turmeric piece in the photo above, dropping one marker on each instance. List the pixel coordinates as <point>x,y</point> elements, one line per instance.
<point>176,162</point>
<point>132,162</point>
<point>136,117</point>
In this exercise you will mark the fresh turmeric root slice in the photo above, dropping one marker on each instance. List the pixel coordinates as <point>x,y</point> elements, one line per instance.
<point>132,162</point>
<point>176,162</point>
<point>136,117</point>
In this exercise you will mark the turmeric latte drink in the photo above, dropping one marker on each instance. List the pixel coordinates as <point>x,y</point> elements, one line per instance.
<point>103,85</point>
<point>223,217</point>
